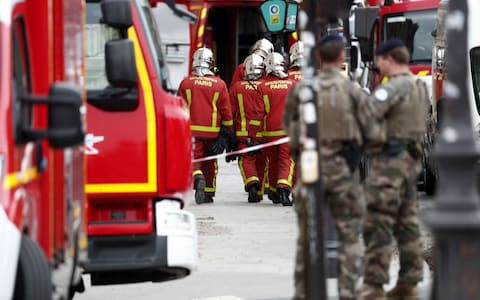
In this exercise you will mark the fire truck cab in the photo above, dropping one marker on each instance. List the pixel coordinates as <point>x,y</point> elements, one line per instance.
<point>138,152</point>
<point>41,162</point>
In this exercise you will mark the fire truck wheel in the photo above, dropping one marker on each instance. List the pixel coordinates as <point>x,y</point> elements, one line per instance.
<point>33,274</point>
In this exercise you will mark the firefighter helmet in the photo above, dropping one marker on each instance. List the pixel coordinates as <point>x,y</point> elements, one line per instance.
<point>253,66</point>
<point>275,65</point>
<point>203,62</point>
<point>296,54</point>
<point>262,47</point>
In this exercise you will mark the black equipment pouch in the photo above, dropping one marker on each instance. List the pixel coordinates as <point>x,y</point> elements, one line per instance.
<point>352,153</point>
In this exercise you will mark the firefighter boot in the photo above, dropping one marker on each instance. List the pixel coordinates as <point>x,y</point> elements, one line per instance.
<point>274,197</point>
<point>404,291</point>
<point>372,292</point>
<point>199,187</point>
<point>208,198</point>
<point>253,196</point>
<point>283,195</point>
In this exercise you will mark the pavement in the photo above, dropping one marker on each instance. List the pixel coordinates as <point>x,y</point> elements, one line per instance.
<point>246,252</point>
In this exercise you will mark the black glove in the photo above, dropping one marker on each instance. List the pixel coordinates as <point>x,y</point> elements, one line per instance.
<point>219,145</point>
<point>231,158</point>
<point>232,142</point>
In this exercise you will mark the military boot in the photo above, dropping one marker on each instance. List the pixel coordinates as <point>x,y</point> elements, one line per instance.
<point>283,195</point>
<point>253,196</point>
<point>404,291</point>
<point>199,187</point>
<point>372,292</point>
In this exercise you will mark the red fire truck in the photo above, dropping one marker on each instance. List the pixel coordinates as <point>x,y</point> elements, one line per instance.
<point>410,20</point>
<point>138,150</point>
<point>41,163</point>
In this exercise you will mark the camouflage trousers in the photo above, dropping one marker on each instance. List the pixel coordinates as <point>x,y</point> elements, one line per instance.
<point>392,214</point>
<point>347,207</point>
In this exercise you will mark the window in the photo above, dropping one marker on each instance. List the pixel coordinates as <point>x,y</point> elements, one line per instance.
<point>415,28</point>
<point>155,44</point>
<point>97,35</point>
<point>22,112</point>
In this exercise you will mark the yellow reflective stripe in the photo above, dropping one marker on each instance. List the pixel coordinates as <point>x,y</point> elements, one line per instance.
<point>204,128</point>
<point>197,172</point>
<point>14,180</point>
<point>423,73</point>
<point>203,13</point>
<point>289,179</point>
<point>151,124</point>
<point>255,122</point>
<point>210,189</point>
<point>227,123</point>
<point>266,102</point>
<point>259,134</point>
<point>243,125</point>
<point>242,133</point>
<point>201,31</point>
<point>214,112</point>
<point>385,79</point>
<point>188,94</point>
<point>242,170</point>
<point>251,179</point>
<point>274,133</point>
<point>272,188</point>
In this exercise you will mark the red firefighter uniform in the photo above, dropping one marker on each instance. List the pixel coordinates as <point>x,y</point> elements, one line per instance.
<point>208,104</point>
<point>280,165</point>
<point>238,75</point>
<point>248,117</point>
<point>295,74</point>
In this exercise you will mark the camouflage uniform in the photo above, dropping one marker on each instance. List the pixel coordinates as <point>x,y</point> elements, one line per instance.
<point>401,106</point>
<point>337,104</point>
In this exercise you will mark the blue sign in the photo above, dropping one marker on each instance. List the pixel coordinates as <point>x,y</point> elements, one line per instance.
<point>274,13</point>
<point>292,11</point>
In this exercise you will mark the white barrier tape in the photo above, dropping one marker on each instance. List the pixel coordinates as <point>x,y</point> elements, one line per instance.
<point>245,150</point>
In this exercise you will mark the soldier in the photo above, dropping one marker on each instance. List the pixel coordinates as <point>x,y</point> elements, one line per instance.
<point>211,121</point>
<point>274,90</point>
<point>400,106</point>
<point>262,47</point>
<point>339,105</point>
<point>296,61</point>
<point>248,111</point>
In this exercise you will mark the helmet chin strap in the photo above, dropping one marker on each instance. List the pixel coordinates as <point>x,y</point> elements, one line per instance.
<point>202,71</point>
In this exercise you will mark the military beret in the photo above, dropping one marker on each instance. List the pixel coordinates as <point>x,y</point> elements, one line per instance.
<point>389,45</point>
<point>334,37</point>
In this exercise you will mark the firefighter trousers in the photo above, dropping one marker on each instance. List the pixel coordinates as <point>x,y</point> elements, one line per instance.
<point>252,168</point>
<point>281,168</point>
<point>206,169</point>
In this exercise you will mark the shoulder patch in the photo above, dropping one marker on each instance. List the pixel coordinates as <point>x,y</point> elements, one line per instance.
<point>381,94</point>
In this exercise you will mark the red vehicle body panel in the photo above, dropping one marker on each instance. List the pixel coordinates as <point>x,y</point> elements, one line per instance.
<point>144,154</point>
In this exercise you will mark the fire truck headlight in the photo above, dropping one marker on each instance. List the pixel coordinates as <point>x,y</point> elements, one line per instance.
<point>171,220</point>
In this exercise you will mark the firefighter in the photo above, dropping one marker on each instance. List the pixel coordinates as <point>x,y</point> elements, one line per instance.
<point>274,90</point>
<point>211,121</point>
<point>248,111</point>
<point>401,106</point>
<point>296,61</point>
<point>262,47</point>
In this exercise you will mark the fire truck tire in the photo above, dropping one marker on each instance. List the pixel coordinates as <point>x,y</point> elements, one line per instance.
<point>33,280</point>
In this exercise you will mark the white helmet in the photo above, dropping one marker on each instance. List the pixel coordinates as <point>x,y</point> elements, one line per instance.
<point>275,64</point>
<point>262,47</point>
<point>203,61</point>
<point>296,54</point>
<point>253,66</point>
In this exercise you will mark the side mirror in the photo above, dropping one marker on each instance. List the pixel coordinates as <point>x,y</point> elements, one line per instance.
<point>475,69</point>
<point>117,13</point>
<point>365,20</point>
<point>120,64</point>
<point>65,126</point>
